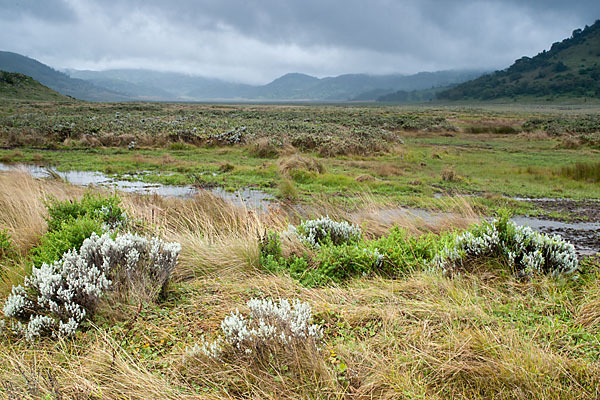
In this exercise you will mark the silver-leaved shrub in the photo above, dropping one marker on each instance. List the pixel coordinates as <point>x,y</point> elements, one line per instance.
<point>270,328</point>
<point>316,231</point>
<point>526,251</point>
<point>57,297</point>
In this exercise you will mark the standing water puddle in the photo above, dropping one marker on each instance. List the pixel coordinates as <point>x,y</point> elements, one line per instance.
<point>251,198</point>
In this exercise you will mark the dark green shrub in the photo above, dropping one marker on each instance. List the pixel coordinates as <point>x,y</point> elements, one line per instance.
<point>404,252</point>
<point>335,262</point>
<point>69,235</point>
<point>7,249</point>
<point>270,245</point>
<point>342,262</point>
<point>104,209</point>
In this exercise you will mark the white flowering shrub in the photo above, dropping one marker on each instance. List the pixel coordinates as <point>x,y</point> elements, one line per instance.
<point>57,297</point>
<point>271,328</point>
<point>316,231</point>
<point>527,252</point>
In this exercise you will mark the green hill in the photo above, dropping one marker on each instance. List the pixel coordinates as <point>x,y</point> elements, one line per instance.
<point>570,69</point>
<point>62,83</point>
<point>15,86</point>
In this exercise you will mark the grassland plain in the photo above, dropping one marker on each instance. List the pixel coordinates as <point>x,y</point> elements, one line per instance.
<point>483,333</point>
<point>396,154</point>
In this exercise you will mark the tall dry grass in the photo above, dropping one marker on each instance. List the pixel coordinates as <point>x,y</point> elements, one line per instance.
<point>66,370</point>
<point>216,235</point>
<point>423,337</point>
<point>22,207</point>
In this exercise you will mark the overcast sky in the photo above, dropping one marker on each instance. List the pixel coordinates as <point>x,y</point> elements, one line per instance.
<point>257,41</point>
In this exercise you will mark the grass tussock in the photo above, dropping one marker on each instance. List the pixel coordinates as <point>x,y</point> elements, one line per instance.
<point>450,175</point>
<point>589,172</point>
<point>215,234</point>
<point>269,148</point>
<point>287,190</point>
<point>299,162</point>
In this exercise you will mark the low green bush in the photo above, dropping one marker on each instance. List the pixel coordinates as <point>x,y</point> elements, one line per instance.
<point>336,252</point>
<point>69,235</point>
<point>104,209</point>
<point>404,252</point>
<point>7,249</point>
<point>337,261</point>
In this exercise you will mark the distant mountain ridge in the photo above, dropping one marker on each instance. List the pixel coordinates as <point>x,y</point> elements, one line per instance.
<point>148,85</point>
<point>570,68</point>
<point>290,87</point>
<point>58,81</point>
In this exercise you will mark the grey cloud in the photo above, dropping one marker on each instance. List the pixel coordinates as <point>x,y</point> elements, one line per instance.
<point>52,10</point>
<point>257,41</point>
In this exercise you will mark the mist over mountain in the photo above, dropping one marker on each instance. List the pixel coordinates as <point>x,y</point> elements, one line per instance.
<point>148,85</point>
<point>168,86</point>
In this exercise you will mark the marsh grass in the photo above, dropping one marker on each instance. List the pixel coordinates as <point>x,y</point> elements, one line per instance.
<point>425,336</point>
<point>478,335</point>
<point>589,172</point>
<point>579,171</point>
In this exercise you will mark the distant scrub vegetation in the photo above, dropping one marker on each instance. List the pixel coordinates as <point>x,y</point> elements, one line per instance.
<point>327,131</point>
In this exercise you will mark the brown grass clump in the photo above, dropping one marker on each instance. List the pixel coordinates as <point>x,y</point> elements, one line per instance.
<point>38,158</point>
<point>386,170</point>
<point>226,167</point>
<point>449,175</point>
<point>99,369</point>
<point>570,143</point>
<point>365,178</point>
<point>264,148</point>
<point>167,159</point>
<point>588,314</point>
<point>300,162</point>
<point>215,234</point>
<point>536,135</point>
<point>90,141</point>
